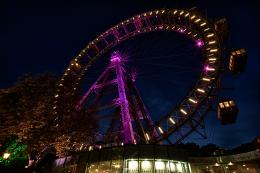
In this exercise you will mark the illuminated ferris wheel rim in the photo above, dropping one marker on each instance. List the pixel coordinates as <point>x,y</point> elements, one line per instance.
<point>183,21</point>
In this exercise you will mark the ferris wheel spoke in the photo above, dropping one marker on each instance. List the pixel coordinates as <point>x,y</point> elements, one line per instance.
<point>169,82</point>
<point>170,66</point>
<point>143,75</point>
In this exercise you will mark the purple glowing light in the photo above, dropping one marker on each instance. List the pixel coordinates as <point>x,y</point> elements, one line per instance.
<point>133,76</point>
<point>207,68</point>
<point>199,43</point>
<point>128,133</point>
<point>115,57</point>
<point>181,30</point>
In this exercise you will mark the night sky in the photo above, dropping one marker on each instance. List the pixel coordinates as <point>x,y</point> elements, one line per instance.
<point>44,37</point>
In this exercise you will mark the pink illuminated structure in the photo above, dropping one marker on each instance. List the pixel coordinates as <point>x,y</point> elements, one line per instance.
<point>123,102</point>
<point>200,43</point>
<point>136,114</point>
<point>207,68</point>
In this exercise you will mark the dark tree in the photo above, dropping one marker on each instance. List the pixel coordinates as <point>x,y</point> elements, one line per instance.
<point>25,107</point>
<point>26,111</point>
<point>210,150</point>
<point>192,148</point>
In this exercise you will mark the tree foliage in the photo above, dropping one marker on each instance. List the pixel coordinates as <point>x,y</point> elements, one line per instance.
<point>16,149</point>
<point>25,107</point>
<point>26,111</point>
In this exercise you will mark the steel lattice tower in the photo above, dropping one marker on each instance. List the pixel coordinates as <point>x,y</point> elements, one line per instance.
<point>132,109</point>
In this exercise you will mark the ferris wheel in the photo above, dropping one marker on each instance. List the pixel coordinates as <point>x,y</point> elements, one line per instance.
<point>131,121</point>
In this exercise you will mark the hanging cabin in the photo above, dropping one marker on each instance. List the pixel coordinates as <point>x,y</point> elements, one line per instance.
<point>227,112</point>
<point>237,61</point>
<point>222,28</point>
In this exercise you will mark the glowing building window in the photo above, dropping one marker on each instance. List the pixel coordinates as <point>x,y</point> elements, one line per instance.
<point>159,165</point>
<point>172,167</point>
<point>133,165</point>
<point>146,165</point>
<point>226,104</point>
<point>232,103</point>
<point>221,105</point>
<point>138,166</point>
<point>179,167</point>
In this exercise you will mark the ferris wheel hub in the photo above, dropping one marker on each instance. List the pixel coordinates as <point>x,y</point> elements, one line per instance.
<point>115,57</point>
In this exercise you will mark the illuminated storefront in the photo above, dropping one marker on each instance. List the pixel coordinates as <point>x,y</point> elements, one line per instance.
<point>140,165</point>
<point>154,159</point>
<point>126,159</point>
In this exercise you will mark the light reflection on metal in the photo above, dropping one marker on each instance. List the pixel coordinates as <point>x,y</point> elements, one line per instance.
<point>160,129</point>
<point>213,50</point>
<point>201,90</point>
<point>212,42</point>
<point>196,21</point>
<point>172,121</point>
<point>203,24</point>
<point>212,59</point>
<point>147,136</point>
<point>206,29</point>
<point>183,111</point>
<point>192,100</point>
<point>210,35</point>
<point>206,79</point>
